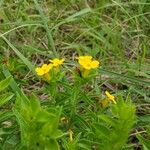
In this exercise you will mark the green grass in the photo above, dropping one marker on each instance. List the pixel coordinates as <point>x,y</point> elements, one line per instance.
<point>115,32</point>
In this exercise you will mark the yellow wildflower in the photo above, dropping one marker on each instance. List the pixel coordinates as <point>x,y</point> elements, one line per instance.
<point>110,97</point>
<point>87,63</point>
<point>57,62</point>
<point>94,64</point>
<point>83,59</point>
<point>64,120</point>
<point>44,69</point>
<point>70,135</point>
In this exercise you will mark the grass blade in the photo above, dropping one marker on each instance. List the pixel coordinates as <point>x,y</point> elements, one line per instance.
<point>124,77</point>
<point>51,44</point>
<point>5,83</point>
<point>20,55</point>
<point>73,17</point>
<point>13,84</point>
<point>5,98</point>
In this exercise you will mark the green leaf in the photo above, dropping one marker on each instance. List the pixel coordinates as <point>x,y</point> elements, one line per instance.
<point>5,98</point>
<point>13,83</point>
<point>35,104</point>
<point>107,119</point>
<point>144,119</point>
<point>5,83</point>
<point>22,101</point>
<point>57,134</point>
<point>5,115</point>
<point>47,130</point>
<point>145,142</point>
<point>52,144</point>
<point>44,116</point>
<point>101,130</point>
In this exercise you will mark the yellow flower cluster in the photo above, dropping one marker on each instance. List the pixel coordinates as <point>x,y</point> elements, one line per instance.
<point>45,68</point>
<point>87,63</point>
<point>56,62</point>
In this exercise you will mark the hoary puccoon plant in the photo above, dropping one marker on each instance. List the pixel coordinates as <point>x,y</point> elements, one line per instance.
<point>77,113</point>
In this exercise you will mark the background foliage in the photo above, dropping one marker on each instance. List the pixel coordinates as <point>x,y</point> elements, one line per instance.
<point>116,32</point>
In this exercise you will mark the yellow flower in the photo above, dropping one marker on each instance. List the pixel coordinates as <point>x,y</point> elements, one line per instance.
<point>87,63</point>
<point>83,59</point>
<point>70,135</point>
<point>110,97</point>
<point>64,120</point>
<point>94,64</point>
<point>44,69</point>
<point>57,62</point>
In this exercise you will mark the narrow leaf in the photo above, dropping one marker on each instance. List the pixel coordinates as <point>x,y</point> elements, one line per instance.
<point>5,83</point>
<point>5,98</point>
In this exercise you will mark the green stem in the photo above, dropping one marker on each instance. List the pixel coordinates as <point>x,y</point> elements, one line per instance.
<point>53,90</point>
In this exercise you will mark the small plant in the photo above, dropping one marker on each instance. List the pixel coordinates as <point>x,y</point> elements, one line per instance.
<point>112,131</point>
<point>51,71</point>
<point>111,128</point>
<point>75,117</point>
<point>38,126</point>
